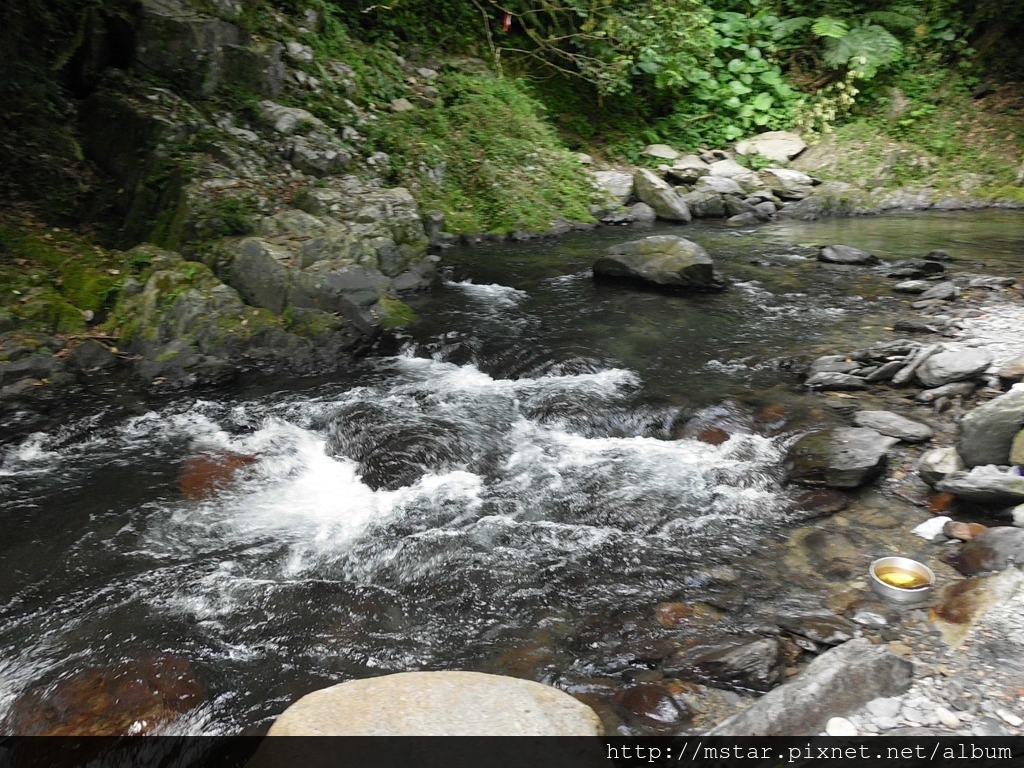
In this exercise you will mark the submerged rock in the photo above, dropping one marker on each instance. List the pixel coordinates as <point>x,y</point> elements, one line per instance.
<point>451,703</point>
<point>838,458</point>
<point>208,472</point>
<point>846,254</point>
<point>755,664</point>
<point>661,261</point>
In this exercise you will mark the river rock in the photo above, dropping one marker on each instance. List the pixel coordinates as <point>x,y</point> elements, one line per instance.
<point>686,170</point>
<point>1012,371</point>
<point>135,698</point>
<point>894,425</point>
<point>836,683</point>
<point>953,363</point>
<point>718,185</point>
<point>705,205</point>
<point>778,146</point>
<point>1017,449</point>
<point>833,364</point>
<point>846,254</point>
<point>835,382</point>
<point>660,151</point>
<point>730,169</point>
<point>618,184</point>
<point>912,286</point>
<point>288,120</point>
<point>747,219</point>
<point>915,268</point>
<point>955,389</point>
<point>945,291</point>
<point>750,664</point>
<point>663,261</point>
<point>661,196</point>
<point>914,361</point>
<point>842,457</point>
<point>992,283</point>
<point>987,432</point>
<point>937,464</point>
<point>995,549</point>
<point>956,529</point>
<point>819,628</point>
<point>642,213</point>
<point>438,704</point>
<point>985,484</point>
<point>207,473</point>
<point>654,705</point>
<point>788,184</point>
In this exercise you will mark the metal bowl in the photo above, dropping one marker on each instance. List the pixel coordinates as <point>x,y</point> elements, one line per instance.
<point>887,572</point>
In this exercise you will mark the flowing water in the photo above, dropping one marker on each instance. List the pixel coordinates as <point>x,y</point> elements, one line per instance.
<point>543,462</point>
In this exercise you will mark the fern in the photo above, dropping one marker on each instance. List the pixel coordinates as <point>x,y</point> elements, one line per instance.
<point>828,26</point>
<point>874,43</point>
<point>786,27</point>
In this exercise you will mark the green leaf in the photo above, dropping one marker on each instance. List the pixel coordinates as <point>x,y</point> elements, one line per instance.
<point>648,67</point>
<point>738,88</point>
<point>761,119</point>
<point>828,26</point>
<point>736,65</point>
<point>771,77</point>
<point>762,102</point>
<point>747,110</point>
<point>733,102</point>
<point>733,132</point>
<point>754,53</point>
<point>746,78</point>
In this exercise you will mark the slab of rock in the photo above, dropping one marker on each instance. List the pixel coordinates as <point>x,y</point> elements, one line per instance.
<point>894,425</point>
<point>912,286</point>
<point>642,213</point>
<point>819,628</point>
<point>660,151</point>
<point>719,185</point>
<point>1013,371</point>
<point>438,704</point>
<point>835,382</point>
<point>778,146</point>
<point>833,364</point>
<point>844,457</point>
<point>846,254</point>
<point>992,283</point>
<point>288,120</point>
<point>953,363</point>
<point>618,184</point>
<point>661,196</point>
<point>788,184</point>
<point>914,361</point>
<point>987,432</point>
<point>660,261</point>
<point>938,464</point>
<point>956,389</point>
<point>985,484</point>
<point>836,683</point>
<point>686,170</point>
<point>730,169</point>
<point>944,291</point>
<point>995,549</point>
<point>705,205</point>
<point>754,664</point>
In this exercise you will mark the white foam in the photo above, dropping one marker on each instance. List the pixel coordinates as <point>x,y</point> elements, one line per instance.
<point>501,295</point>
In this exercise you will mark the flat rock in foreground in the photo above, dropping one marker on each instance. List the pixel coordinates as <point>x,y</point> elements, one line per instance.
<point>838,682</point>
<point>438,704</point>
<point>666,262</point>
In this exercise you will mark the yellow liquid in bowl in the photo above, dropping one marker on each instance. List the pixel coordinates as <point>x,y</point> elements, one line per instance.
<point>897,577</point>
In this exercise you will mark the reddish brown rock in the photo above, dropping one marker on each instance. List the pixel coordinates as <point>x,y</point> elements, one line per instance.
<point>713,436</point>
<point>939,503</point>
<point>671,615</point>
<point>811,504</point>
<point>963,531</point>
<point>131,699</point>
<point>653,704</point>
<point>206,473</point>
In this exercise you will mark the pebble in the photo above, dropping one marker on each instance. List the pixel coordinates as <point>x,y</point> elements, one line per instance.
<point>1009,718</point>
<point>840,726</point>
<point>886,723</point>
<point>988,726</point>
<point>884,707</point>
<point>947,718</point>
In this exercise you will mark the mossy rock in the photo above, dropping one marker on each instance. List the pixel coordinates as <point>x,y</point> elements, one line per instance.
<point>395,313</point>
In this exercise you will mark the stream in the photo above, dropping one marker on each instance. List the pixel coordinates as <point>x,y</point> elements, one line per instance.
<point>543,461</point>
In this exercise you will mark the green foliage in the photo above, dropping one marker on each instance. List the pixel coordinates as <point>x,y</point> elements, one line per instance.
<point>870,46</point>
<point>486,159</point>
<point>396,313</point>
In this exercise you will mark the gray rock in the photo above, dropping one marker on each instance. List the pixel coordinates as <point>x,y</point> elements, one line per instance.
<point>734,206</point>
<point>402,105</point>
<point>256,68</point>
<point>838,682</point>
<point>894,425</point>
<point>842,457</point>
<point>288,120</point>
<point>618,184</point>
<point>718,185</point>
<point>994,550</point>
<point>788,184</point>
<point>938,464</point>
<point>747,219</point>
<point>438,704</point>
<point>832,198</point>
<point>846,254</point>
<point>663,261</point>
<point>705,205</point>
<point>833,364</point>
<point>992,283</point>
<point>752,664</point>
<point>955,389</point>
<point>1012,371</point>
<point>317,155</point>
<point>661,196</point>
<point>820,628</point>
<point>987,432</point>
<point>884,706</point>
<point>885,372</point>
<point>915,268</point>
<point>985,485</point>
<point>260,273</point>
<point>298,52</point>
<point>660,151</point>
<point>945,291</point>
<point>835,382</point>
<point>912,286</point>
<point>778,146</point>
<point>730,169</point>
<point>642,213</point>
<point>765,211</point>
<point>953,363</point>
<point>686,170</point>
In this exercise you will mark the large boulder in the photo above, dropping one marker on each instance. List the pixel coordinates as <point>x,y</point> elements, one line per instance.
<point>846,254</point>
<point>661,151</point>
<point>844,457</point>
<point>953,363</point>
<point>705,205</point>
<point>788,184</point>
<point>987,432</point>
<point>985,484</point>
<point>718,185</point>
<point>661,196</point>
<point>838,682</point>
<point>662,261</point>
<point>894,425</point>
<point>730,169</point>
<point>438,704</point>
<point>777,146</point>
<point>686,170</point>
<point>618,184</point>
<point>938,464</point>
